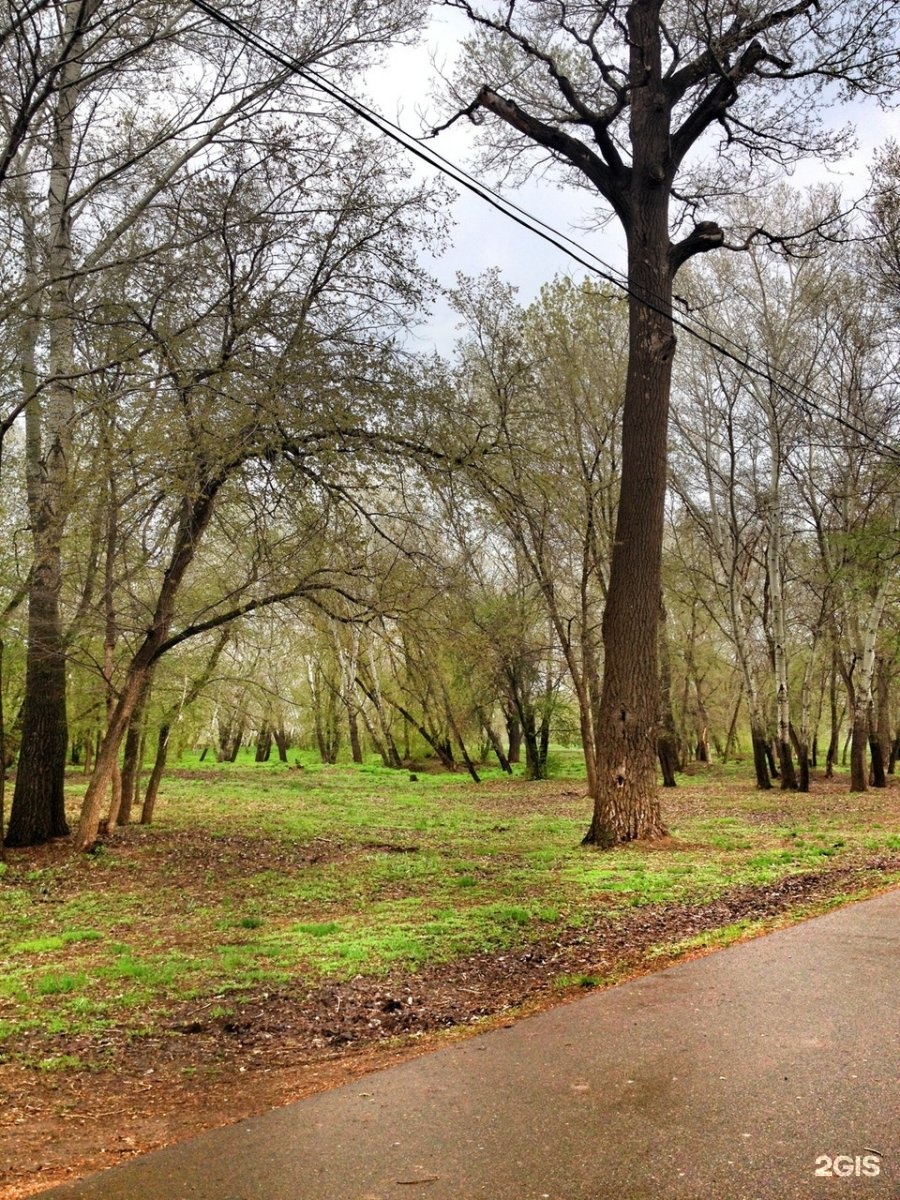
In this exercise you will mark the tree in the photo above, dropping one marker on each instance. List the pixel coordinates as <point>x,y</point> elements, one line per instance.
<point>548,380</point>
<point>89,162</point>
<point>268,386</point>
<point>619,95</point>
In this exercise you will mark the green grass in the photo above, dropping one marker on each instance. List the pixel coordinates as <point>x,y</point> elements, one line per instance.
<point>258,874</point>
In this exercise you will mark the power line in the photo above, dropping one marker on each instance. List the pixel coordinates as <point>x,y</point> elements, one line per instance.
<point>696,328</point>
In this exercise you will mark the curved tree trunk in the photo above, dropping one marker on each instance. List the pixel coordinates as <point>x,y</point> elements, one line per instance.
<point>159,766</point>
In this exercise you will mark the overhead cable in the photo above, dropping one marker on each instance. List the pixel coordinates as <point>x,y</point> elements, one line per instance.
<point>580,254</point>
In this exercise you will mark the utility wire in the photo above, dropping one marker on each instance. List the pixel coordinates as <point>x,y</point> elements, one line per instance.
<point>696,328</point>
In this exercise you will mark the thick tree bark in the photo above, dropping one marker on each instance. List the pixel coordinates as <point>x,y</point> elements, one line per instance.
<point>626,803</point>
<point>38,806</point>
<point>281,741</point>
<point>264,743</point>
<point>513,736</point>
<point>876,758</point>
<point>38,809</point>
<point>760,756</point>
<point>859,740</point>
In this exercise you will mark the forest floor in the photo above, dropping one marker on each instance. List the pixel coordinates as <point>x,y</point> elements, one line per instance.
<point>280,932</point>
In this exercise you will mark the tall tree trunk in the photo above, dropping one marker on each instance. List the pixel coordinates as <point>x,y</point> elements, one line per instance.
<point>38,806</point>
<point>389,754</point>
<point>667,744</point>
<point>779,626</point>
<point>348,662</point>
<point>882,723</point>
<point>626,804</point>
<point>834,735</point>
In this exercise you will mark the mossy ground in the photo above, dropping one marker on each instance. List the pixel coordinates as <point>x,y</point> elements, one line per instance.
<point>281,929</point>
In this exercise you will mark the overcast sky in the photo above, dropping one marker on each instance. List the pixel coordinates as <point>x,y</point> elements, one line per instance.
<point>482,238</point>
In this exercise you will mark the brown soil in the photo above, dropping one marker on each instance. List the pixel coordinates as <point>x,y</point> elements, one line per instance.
<point>206,1070</point>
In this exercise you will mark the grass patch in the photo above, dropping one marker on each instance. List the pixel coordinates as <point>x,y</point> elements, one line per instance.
<point>260,874</point>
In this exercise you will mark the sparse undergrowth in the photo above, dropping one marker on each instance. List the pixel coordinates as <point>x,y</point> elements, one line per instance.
<point>268,899</point>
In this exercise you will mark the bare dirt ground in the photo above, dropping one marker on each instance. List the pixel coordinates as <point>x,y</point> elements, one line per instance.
<point>202,1070</point>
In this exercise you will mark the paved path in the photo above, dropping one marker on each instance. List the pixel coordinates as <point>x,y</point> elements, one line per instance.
<point>726,1078</point>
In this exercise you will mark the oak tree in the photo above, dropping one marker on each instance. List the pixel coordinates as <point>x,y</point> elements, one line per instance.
<point>659,107</point>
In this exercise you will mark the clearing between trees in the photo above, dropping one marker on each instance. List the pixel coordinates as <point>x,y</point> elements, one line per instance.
<point>284,929</point>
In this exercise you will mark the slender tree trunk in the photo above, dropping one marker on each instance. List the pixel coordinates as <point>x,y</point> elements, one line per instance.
<point>667,744</point>
<point>497,746</point>
<point>132,759</point>
<point>2,761</point>
<point>860,693</point>
<point>772,757</point>
<point>238,740</point>
<point>834,735</point>
<point>380,746</point>
<point>882,721</point>
<point>391,755</point>
<point>731,738</point>
<point>159,766</point>
<point>546,713</point>
<point>197,509</point>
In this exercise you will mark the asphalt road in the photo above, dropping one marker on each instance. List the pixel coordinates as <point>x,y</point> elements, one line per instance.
<point>767,1071</point>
